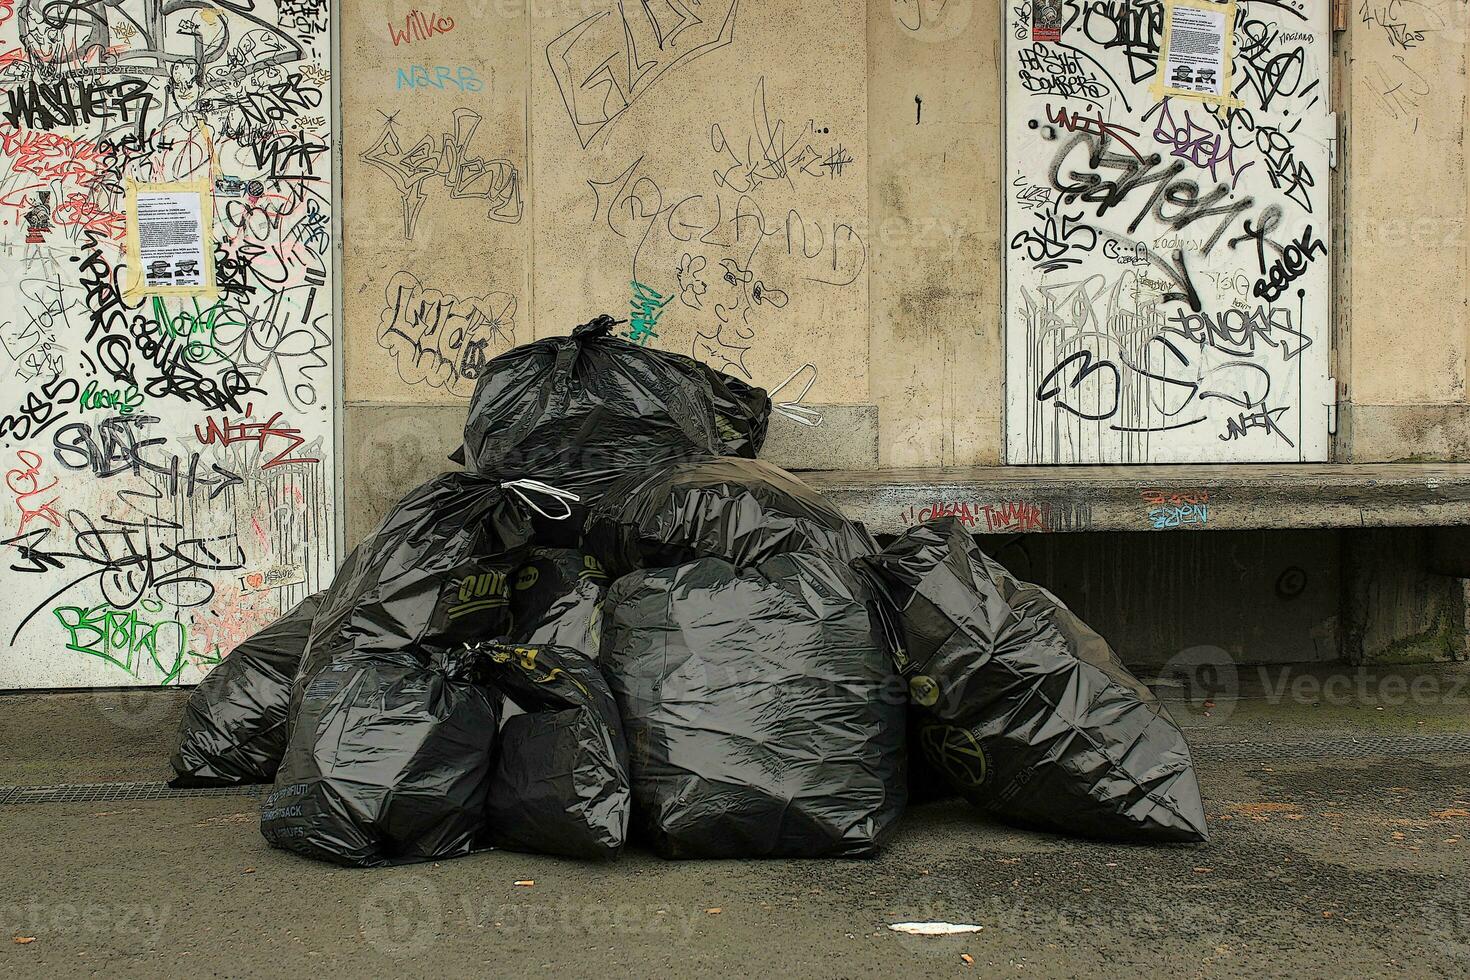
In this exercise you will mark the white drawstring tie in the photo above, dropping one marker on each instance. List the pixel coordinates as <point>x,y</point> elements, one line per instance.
<point>525,488</point>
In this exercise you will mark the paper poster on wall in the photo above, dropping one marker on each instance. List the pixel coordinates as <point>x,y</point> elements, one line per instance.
<point>1046,21</point>
<point>1196,51</point>
<point>170,249</point>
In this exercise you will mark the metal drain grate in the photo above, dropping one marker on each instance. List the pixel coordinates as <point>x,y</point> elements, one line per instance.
<point>1335,747</point>
<point>115,792</point>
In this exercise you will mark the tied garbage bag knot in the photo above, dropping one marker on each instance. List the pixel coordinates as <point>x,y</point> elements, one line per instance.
<point>578,412</point>
<point>435,574</point>
<point>599,325</point>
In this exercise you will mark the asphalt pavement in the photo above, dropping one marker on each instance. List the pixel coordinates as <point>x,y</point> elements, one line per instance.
<point>1341,846</point>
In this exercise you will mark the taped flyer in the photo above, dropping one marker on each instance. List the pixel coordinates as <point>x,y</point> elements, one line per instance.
<point>1197,50</point>
<point>170,239</point>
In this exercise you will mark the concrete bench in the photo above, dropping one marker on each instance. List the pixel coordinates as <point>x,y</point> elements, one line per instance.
<point>1385,548</point>
<point>1035,499</point>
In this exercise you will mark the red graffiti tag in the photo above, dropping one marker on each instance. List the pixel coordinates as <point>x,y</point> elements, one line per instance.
<point>51,156</point>
<point>226,433</point>
<point>1015,515</point>
<point>77,211</point>
<point>24,483</point>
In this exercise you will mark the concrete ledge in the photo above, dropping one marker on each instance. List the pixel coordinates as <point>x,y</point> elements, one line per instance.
<point>390,449</point>
<point>1014,499</point>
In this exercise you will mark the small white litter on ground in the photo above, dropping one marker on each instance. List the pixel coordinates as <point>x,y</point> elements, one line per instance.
<point>934,928</point>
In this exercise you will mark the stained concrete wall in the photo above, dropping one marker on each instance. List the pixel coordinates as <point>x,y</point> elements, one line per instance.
<point>1242,597</point>
<point>1403,288</point>
<point>513,169</point>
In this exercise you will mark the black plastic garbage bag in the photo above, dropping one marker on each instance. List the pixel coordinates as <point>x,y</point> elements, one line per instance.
<point>560,784</point>
<point>578,412</point>
<point>234,727</point>
<point>557,600</point>
<point>926,783</point>
<point>741,510</point>
<point>762,713</point>
<point>389,763</point>
<point>1027,711</point>
<point>435,575</point>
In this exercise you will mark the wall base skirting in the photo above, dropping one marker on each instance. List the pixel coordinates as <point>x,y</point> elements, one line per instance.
<point>1404,433</point>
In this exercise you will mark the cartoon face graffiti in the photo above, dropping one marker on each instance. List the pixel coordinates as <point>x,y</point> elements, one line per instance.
<point>738,300</point>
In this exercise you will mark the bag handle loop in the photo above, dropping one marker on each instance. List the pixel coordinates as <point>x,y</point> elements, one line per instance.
<point>529,490</point>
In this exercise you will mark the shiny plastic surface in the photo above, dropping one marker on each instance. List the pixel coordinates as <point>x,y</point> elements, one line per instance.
<point>435,575</point>
<point>389,762</point>
<point>234,727</point>
<point>578,412</point>
<point>557,600</point>
<point>762,712</point>
<point>560,784</point>
<point>1026,711</point>
<point>741,510</point>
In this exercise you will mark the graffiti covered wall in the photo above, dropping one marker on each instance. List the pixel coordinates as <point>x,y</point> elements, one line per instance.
<point>699,170</point>
<point>716,195</point>
<point>929,79</point>
<point>1168,231</point>
<point>166,425</point>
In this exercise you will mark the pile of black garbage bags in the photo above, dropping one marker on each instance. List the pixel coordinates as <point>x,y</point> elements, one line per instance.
<point>616,622</point>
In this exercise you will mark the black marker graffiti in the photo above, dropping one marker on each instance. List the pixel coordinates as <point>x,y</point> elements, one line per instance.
<point>465,177</point>
<point>1290,266</point>
<point>607,61</point>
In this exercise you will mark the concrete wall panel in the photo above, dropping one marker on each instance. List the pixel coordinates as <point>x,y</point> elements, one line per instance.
<point>934,131</point>
<point>832,171</point>
<point>437,194</point>
<point>1406,193</point>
